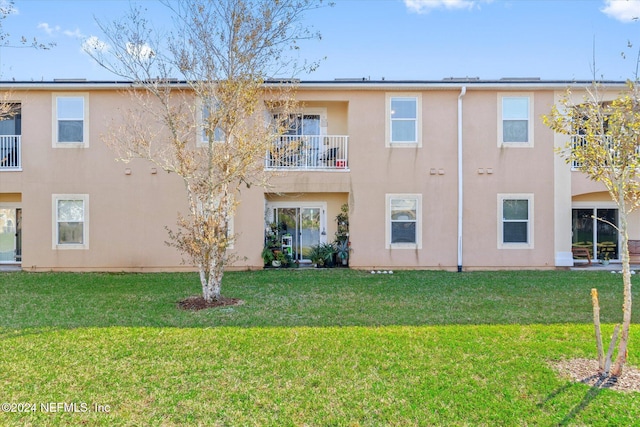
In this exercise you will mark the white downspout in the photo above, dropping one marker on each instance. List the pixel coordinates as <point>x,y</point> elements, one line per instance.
<point>463,91</point>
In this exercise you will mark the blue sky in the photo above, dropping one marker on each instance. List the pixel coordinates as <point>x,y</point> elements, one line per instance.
<point>391,39</point>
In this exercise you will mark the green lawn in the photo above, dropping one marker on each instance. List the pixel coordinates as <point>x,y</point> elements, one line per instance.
<point>308,347</point>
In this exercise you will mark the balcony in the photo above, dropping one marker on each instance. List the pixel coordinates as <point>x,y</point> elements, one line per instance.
<point>309,152</point>
<point>10,152</point>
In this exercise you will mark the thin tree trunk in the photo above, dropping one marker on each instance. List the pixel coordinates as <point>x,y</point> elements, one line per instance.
<point>626,279</point>
<point>612,346</point>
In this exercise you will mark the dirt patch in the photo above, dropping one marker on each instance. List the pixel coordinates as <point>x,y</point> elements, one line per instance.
<point>586,371</point>
<point>196,303</point>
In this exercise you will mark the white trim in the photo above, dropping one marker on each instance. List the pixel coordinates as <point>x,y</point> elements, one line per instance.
<point>85,120</point>
<point>530,125</point>
<point>387,223</point>
<point>55,198</point>
<point>530,220</point>
<point>387,120</point>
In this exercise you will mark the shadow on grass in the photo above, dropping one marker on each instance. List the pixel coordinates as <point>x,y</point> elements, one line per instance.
<point>602,382</point>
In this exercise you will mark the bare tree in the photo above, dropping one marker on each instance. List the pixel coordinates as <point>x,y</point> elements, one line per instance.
<point>605,145</point>
<point>211,127</point>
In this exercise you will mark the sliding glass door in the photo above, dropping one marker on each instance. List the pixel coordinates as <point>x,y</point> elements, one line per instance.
<point>10,235</point>
<point>594,229</point>
<point>300,228</point>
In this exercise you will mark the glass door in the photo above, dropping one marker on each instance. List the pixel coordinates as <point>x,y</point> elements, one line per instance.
<point>606,233</point>
<point>18,235</point>
<point>301,227</point>
<point>309,230</point>
<point>8,235</point>
<point>594,230</point>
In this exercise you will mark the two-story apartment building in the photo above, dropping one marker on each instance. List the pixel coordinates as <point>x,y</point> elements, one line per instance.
<point>451,174</point>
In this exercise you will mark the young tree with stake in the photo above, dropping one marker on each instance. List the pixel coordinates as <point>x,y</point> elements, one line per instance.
<point>605,145</point>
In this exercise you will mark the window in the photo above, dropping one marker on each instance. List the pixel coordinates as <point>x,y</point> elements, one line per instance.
<point>70,217</point>
<point>218,133</point>
<point>515,127</point>
<point>301,143</point>
<point>515,222</point>
<point>403,120</point>
<point>300,124</point>
<point>404,222</point>
<point>70,112</point>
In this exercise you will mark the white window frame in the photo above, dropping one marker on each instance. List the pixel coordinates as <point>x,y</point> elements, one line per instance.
<point>85,120</point>
<point>389,119</point>
<point>530,221</point>
<point>56,198</point>
<point>414,245</point>
<point>202,140</point>
<point>529,118</point>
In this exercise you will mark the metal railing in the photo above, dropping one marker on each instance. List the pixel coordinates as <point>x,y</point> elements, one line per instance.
<point>309,152</point>
<point>10,152</point>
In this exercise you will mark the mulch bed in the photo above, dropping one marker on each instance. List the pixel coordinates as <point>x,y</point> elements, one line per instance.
<point>586,371</point>
<point>196,303</point>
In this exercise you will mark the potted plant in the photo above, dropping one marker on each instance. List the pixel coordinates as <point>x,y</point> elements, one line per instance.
<point>282,259</point>
<point>342,222</point>
<point>322,255</point>
<point>342,244</point>
<point>342,251</point>
<point>267,255</point>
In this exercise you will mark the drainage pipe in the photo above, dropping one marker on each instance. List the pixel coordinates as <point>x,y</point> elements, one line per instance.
<point>463,91</point>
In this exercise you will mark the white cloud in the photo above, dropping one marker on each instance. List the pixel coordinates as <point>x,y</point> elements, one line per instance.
<point>75,33</point>
<point>48,28</point>
<point>140,51</point>
<point>425,6</point>
<point>93,43</point>
<point>622,10</point>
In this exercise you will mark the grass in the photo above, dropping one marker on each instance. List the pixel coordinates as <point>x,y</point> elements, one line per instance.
<point>318,348</point>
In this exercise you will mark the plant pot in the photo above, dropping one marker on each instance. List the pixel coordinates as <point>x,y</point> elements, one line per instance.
<point>604,262</point>
<point>276,263</point>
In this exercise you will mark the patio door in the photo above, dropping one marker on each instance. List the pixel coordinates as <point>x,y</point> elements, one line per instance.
<point>593,229</point>
<point>300,228</point>
<point>10,235</point>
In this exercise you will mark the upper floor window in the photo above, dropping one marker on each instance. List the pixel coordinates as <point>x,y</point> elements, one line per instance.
<point>403,125</point>
<point>208,122</point>
<point>515,125</point>
<point>70,112</point>
<point>515,219</point>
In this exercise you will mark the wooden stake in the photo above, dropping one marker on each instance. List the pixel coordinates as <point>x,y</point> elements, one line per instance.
<point>596,324</point>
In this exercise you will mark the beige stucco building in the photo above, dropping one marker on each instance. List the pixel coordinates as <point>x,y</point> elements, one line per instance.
<point>452,174</point>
